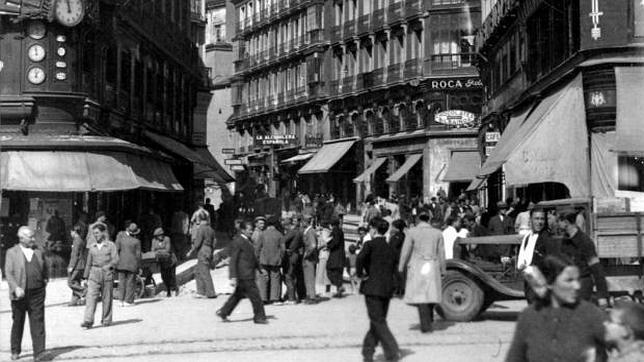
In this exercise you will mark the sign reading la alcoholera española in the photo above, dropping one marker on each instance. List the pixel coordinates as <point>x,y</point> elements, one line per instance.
<point>275,139</point>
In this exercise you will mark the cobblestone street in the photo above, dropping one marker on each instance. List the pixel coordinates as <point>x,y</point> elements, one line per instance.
<point>177,329</point>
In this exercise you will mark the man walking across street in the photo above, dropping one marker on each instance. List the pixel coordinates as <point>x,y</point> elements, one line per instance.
<point>99,272</point>
<point>270,250</point>
<point>27,276</point>
<point>76,266</point>
<point>203,244</point>
<point>293,260</point>
<point>129,248</point>
<point>309,258</point>
<point>242,267</point>
<point>376,265</point>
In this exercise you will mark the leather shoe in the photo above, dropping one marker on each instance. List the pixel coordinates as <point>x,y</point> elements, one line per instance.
<point>15,356</point>
<point>86,325</point>
<point>222,316</point>
<point>261,321</point>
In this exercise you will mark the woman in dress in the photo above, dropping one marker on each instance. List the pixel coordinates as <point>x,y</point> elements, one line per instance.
<point>559,326</point>
<point>322,282</point>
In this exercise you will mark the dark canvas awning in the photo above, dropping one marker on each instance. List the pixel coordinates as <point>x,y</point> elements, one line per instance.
<point>402,171</point>
<point>629,123</point>
<point>463,166</point>
<point>205,164</point>
<point>79,171</point>
<point>327,157</point>
<point>375,165</point>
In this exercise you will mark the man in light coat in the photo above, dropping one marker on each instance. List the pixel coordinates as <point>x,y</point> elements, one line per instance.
<point>309,258</point>
<point>423,255</point>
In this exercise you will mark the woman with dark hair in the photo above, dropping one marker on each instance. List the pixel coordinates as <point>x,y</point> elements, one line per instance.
<point>335,263</point>
<point>396,240</point>
<point>559,326</point>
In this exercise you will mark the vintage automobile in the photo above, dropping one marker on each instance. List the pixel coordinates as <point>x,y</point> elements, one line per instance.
<point>472,285</point>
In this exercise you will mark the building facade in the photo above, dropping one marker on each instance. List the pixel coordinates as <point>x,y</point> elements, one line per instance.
<point>102,108</point>
<point>379,96</point>
<point>563,83</point>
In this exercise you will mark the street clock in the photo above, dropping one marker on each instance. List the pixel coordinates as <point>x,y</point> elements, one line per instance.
<point>69,12</point>
<point>36,53</point>
<point>36,30</point>
<point>36,75</point>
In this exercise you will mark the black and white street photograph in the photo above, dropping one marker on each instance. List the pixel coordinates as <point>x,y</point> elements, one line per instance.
<point>322,180</point>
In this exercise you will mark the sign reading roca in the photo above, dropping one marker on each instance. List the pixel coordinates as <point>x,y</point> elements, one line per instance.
<point>456,83</point>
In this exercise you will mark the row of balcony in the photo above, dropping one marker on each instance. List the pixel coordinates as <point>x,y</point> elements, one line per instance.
<point>380,126</point>
<point>277,53</point>
<point>395,13</point>
<point>266,16</point>
<point>412,68</point>
<point>271,102</point>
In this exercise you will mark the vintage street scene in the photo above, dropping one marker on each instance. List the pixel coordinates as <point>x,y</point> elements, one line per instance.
<point>322,180</point>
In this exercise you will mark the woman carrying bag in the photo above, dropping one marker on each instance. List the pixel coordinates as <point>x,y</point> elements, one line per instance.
<point>423,257</point>
<point>167,260</point>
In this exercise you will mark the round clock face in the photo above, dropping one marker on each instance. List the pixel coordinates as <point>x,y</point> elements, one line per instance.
<point>36,75</point>
<point>69,12</point>
<point>36,53</point>
<point>61,51</point>
<point>36,30</point>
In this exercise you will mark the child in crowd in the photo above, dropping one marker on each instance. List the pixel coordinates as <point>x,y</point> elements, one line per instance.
<point>625,332</point>
<point>351,268</point>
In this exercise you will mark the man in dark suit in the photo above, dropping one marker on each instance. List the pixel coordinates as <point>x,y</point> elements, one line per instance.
<point>376,265</point>
<point>76,266</point>
<point>27,276</point>
<point>336,261</point>
<point>270,250</point>
<point>292,263</point>
<point>535,246</point>
<point>499,224</point>
<point>129,248</point>
<point>242,267</point>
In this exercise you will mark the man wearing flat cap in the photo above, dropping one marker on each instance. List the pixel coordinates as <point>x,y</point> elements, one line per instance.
<point>27,276</point>
<point>499,224</point>
<point>128,246</point>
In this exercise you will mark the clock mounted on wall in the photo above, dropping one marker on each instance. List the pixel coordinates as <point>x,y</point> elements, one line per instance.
<point>69,12</point>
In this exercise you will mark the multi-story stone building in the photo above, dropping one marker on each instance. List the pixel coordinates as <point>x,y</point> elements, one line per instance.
<point>565,83</point>
<point>102,108</point>
<point>385,92</point>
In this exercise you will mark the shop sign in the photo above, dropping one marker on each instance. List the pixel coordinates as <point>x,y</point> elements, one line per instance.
<point>488,150</point>
<point>268,140</point>
<point>456,83</point>
<point>492,137</point>
<point>233,161</point>
<point>228,151</point>
<point>313,141</point>
<point>237,168</point>
<point>455,117</point>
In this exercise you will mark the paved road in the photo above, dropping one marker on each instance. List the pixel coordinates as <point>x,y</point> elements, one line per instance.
<point>184,328</point>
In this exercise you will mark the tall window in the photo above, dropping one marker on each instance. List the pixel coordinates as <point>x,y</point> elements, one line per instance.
<point>631,173</point>
<point>453,38</point>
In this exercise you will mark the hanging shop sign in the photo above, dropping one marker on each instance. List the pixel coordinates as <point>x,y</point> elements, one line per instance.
<point>228,151</point>
<point>492,137</point>
<point>459,83</point>
<point>282,139</point>
<point>233,161</point>
<point>455,118</point>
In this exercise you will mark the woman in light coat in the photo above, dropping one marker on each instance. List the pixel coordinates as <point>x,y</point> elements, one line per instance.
<point>423,257</point>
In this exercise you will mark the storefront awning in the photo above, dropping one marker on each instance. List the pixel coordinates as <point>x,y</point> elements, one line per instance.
<point>402,171</point>
<point>69,171</point>
<point>629,126</point>
<point>463,166</point>
<point>298,158</point>
<point>327,157</point>
<point>554,148</point>
<point>211,169</point>
<point>476,184</point>
<point>375,165</point>
<point>204,163</point>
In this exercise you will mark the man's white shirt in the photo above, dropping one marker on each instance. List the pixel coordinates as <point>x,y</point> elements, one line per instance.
<point>526,251</point>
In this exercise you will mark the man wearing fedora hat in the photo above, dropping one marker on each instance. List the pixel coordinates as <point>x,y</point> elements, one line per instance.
<point>128,246</point>
<point>499,224</point>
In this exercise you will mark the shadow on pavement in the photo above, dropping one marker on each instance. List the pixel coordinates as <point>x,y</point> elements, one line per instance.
<point>127,321</point>
<point>439,325</point>
<point>147,301</point>
<point>404,352</point>
<point>53,353</point>
<point>494,315</point>
<point>269,317</point>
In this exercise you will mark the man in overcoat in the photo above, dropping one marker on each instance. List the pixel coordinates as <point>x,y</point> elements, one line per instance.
<point>499,224</point>
<point>270,250</point>
<point>423,257</point>
<point>76,265</point>
<point>376,265</point>
<point>242,267</point>
<point>336,262</point>
<point>128,246</point>
<point>27,276</point>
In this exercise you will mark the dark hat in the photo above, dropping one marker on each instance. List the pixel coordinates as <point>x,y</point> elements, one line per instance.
<point>501,205</point>
<point>260,218</point>
<point>158,232</point>
<point>133,229</point>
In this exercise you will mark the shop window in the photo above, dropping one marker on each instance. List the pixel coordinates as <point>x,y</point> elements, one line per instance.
<point>631,173</point>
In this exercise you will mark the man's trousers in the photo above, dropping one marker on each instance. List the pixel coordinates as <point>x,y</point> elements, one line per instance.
<point>33,303</point>
<point>99,284</point>
<point>245,289</point>
<point>377,308</point>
